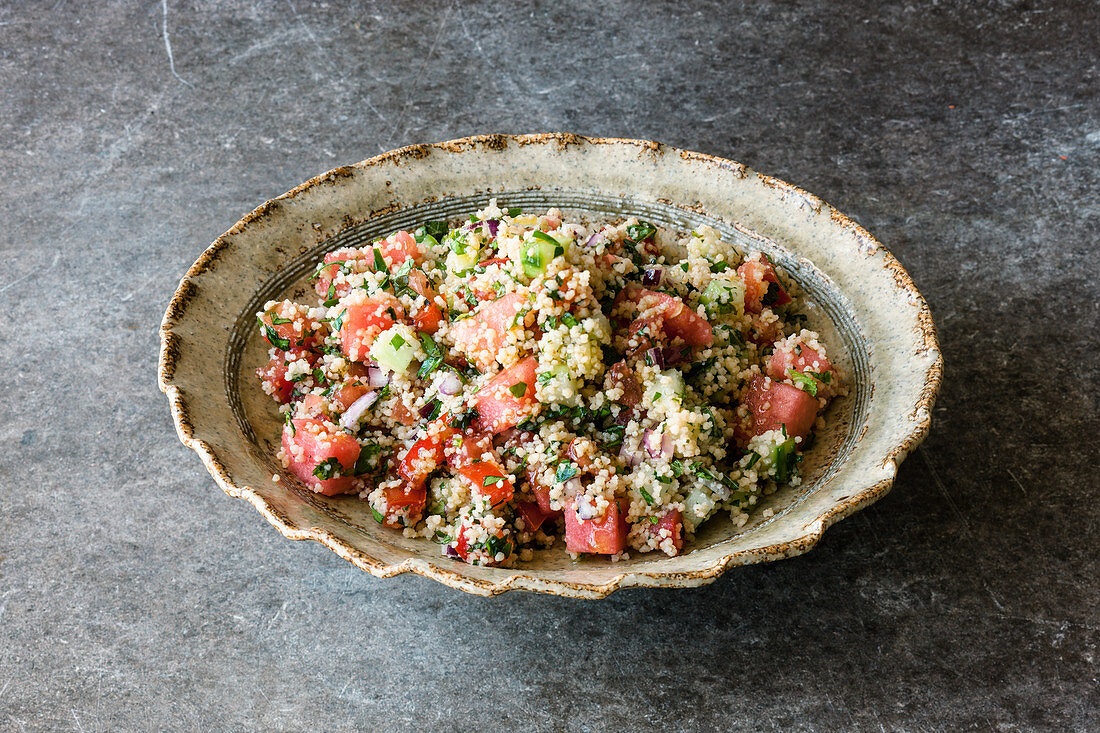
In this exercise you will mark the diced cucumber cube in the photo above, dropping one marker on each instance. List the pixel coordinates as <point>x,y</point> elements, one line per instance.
<point>540,250</point>
<point>463,255</point>
<point>698,507</point>
<point>395,348</point>
<point>724,295</point>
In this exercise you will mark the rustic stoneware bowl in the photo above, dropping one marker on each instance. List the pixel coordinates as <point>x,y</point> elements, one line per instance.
<point>863,302</point>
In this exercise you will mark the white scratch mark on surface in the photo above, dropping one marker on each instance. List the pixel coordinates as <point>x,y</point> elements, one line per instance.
<point>1022,489</point>
<point>341,77</point>
<point>401,117</point>
<point>76,717</point>
<point>943,488</point>
<point>12,677</point>
<point>56,258</point>
<point>168,43</point>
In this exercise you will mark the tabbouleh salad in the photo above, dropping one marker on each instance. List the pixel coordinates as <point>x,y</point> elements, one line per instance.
<point>494,384</point>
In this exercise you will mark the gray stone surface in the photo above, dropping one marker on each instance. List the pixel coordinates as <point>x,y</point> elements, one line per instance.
<point>134,594</point>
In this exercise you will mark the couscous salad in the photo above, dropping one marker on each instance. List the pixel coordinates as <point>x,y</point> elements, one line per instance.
<point>497,384</point>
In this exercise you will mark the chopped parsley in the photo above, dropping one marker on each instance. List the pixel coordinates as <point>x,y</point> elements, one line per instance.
<point>518,389</point>
<point>437,229</point>
<point>327,469</point>
<point>805,380</point>
<point>462,420</point>
<point>514,212</point>
<point>397,341</point>
<point>491,481</point>
<point>646,495</point>
<point>434,353</point>
<point>366,458</point>
<point>565,472</point>
<point>379,260</point>
<point>641,231</point>
<point>272,336</point>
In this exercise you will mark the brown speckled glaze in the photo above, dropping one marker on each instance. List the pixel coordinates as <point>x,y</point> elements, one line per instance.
<point>860,297</point>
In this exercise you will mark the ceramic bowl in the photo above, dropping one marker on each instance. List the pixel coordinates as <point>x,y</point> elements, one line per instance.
<point>877,326</point>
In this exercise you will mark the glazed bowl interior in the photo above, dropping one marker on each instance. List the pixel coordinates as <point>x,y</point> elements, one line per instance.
<point>212,347</point>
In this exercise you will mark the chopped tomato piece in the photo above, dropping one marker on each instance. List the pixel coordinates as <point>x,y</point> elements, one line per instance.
<point>670,526</point>
<point>780,404</point>
<point>426,454</point>
<point>489,480</point>
<point>532,514</point>
<point>362,322</point>
<point>399,247</point>
<point>493,261</point>
<point>798,357</point>
<point>508,398</point>
<point>312,405</point>
<point>542,496</point>
<point>764,332</point>
<point>621,377</point>
<point>346,396</point>
<point>762,286</point>
<point>481,335</point>
<point>273,376</point>
<point>428,318</point>
<point>317,449</point>
<point>404,505</point>
<point>333,262</point>
<point>469,449</point>
<point>287,327</point>
<point>677,320</point>
<point>483,551</point>
<point>603,536</point>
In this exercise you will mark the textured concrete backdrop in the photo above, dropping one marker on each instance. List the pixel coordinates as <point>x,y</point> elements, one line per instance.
<point>134,594</point>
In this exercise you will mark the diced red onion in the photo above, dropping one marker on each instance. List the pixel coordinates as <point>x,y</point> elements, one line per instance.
<point>377,378</point>
<point>450,384</point>
<point>656,357</point>
<point>492,224</point>
<point>449,551</point>
<point>596,239</point>
<point>351,416</point>
<point>651,278</point>
<point>427,409</point>
<point>585,510</point>
<point>657,445</point>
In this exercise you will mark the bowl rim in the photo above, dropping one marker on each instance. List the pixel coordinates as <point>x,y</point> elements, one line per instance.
<point>520,578</point>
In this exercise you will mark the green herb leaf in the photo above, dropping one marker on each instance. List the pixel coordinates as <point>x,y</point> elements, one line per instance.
<point>366,457</point>
<point>544,237</point>
<point>565,472</point>
<point>379,260</point>
<point>720,267</point>
<point>514,212</point>
<point>647,496</point>
<point>437,229</point>
<point>518,389</point>
<point>806,381</point>
<point>641,231</point>
<point>327,469</point>
<point>376,514</point>
<point>273,336</point>
<point>277,321</point>
<point>491,481</point>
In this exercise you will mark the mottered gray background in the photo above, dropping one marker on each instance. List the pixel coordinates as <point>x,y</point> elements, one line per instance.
<point>134,594</point>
